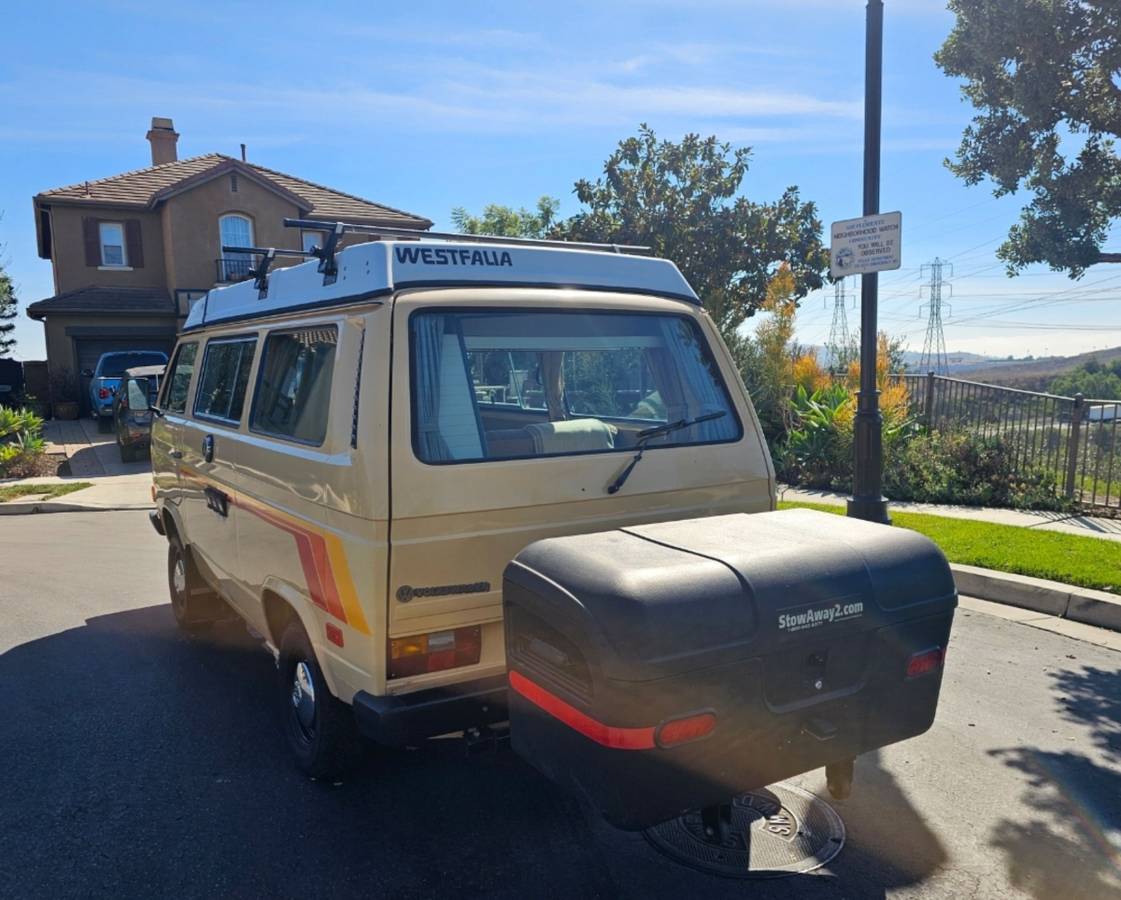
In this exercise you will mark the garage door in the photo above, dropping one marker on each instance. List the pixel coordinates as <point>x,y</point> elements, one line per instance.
<point>89,352</point>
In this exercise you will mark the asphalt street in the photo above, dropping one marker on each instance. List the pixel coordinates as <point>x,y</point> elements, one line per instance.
<point>140,763</point>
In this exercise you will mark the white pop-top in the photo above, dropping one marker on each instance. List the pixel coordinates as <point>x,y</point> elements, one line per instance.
<point>381,267</point>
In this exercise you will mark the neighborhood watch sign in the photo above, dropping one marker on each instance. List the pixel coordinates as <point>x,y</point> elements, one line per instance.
<point>867,244</point>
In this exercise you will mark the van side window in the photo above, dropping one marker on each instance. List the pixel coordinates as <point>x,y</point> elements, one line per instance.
<point>294,385</point>
<point>182,368</point>
<point>224,379</point>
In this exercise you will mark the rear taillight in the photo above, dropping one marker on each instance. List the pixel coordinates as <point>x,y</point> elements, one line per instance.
<point>685,729</point>
<point>103,393</point>
<point>925,661</point>
<point>434,652</point>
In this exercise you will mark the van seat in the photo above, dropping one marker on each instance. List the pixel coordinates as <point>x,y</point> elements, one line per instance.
<point>509,442</point>
<point>573,436</point>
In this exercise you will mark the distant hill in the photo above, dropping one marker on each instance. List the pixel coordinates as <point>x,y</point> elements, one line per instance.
<point>1035,374</point>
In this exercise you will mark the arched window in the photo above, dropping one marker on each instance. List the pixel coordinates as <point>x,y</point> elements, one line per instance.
<point>235,230</point>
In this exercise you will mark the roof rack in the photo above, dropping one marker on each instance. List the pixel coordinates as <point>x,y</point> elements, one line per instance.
<point>260,274</point>
<point>339,228</point>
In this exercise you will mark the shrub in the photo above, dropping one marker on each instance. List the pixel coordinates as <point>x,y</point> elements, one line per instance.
<point>970,469</point>
<point>21,442</point>
<point>817,451</point>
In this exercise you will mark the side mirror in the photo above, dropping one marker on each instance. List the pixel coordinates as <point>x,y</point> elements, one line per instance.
<point>87,373</point>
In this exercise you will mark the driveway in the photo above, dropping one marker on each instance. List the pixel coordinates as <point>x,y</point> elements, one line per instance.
<point>141,763</point>
<point>91,454</point>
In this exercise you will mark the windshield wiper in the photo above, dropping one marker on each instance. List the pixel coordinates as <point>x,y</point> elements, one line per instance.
<point>648,434</point>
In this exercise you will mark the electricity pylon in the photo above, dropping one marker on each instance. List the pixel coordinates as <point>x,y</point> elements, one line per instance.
<point>934,345</point>
<point>840,346</point>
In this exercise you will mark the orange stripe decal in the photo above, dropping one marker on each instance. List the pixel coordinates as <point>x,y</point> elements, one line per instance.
<point>322,558</point>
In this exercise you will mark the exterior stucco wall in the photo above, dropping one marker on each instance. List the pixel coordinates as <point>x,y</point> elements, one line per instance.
<point>192,218</point>
<point>69,254</point>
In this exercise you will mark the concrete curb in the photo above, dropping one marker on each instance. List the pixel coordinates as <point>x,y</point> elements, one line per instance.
<point>16,508</point>
<point>1051,598</point>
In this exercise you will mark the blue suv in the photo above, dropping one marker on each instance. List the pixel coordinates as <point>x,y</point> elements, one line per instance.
<point>106,378</point>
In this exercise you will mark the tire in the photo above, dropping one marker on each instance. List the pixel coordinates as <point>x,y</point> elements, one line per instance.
<point>194,605</point>
<point>319,728</point>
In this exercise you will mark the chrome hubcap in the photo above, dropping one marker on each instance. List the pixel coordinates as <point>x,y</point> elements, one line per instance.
<point>303,696</point>
<point>179,577</point>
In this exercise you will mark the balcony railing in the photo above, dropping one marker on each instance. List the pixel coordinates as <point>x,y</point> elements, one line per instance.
<point>233,268</point>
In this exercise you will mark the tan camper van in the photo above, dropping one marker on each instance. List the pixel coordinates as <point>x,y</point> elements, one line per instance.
<point>348,453</point>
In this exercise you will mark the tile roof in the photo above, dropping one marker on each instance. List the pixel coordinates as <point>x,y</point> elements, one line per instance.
<point>102,301</point>
<point>147,187</point>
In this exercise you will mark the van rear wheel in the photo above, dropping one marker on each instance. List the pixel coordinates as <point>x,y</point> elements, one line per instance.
<point>193,604</point>
<point>319,727</point>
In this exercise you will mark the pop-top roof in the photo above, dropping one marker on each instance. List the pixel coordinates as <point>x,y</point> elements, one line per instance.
<point>381,267</point>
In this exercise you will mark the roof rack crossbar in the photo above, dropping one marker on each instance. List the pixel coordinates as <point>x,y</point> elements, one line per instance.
<point>338,228</point>
<point>260,273</point>
<point>262,251</point>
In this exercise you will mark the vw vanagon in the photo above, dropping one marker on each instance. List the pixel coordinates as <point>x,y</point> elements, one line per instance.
<point>349,453</point>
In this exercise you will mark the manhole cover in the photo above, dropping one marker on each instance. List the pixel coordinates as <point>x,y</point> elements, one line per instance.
<point>768,833</point>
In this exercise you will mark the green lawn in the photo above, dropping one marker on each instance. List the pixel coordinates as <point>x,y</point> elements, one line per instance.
<point>14,491</point>
<point>1086,561</point>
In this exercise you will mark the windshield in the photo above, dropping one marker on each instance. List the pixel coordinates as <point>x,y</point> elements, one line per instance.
<point>493,384</point>
<point>113,365</point>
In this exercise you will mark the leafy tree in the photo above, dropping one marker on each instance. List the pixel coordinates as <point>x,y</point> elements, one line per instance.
<point>1043,75</point>
<point>8,311</point>
<point>680,199</point>
<point>1092,380</point>
<point>507,221</point>
<point>770,380</point>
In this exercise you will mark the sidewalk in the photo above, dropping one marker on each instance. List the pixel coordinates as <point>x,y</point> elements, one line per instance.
<point>1084,526</point>
<point>93,457</point>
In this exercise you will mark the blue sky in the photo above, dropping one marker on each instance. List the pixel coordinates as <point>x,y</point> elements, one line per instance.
<point>430,105</point>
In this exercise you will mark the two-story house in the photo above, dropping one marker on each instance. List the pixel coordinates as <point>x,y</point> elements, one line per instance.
<point>132,252</point>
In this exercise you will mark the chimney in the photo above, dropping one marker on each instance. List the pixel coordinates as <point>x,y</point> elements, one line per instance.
<point>162,137</point>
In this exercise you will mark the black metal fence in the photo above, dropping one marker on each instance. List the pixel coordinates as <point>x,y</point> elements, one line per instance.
<point>233,268</point>
<point>1073,437</point>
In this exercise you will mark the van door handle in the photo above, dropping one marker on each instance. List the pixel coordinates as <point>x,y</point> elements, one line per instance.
<point>208,448</point>
<point>217,500</point>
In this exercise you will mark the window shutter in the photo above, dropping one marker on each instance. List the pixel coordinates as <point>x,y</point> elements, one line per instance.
<point>135,249</point>
<point>92,239</point>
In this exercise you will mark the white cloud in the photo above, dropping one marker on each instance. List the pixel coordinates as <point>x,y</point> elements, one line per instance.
<point>460,98</point>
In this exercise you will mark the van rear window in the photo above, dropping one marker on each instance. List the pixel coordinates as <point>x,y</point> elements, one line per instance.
<point>498,384</point>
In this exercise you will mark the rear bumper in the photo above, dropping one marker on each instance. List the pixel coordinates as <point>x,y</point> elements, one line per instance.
<point>411,718</point>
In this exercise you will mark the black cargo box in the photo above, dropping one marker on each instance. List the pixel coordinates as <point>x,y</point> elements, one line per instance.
<point>667,667</point>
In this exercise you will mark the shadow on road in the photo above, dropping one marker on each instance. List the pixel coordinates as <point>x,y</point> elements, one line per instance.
<point>141,762</point>
<point>1071,846</point>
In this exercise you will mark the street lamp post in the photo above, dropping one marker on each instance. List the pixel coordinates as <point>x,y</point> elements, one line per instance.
<point>867,501</point>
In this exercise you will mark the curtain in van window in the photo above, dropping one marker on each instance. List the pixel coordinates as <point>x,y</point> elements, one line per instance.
<point>700,384</point>
<point>428,337</point>
<point>663,369</point>
<point>294,390</point>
